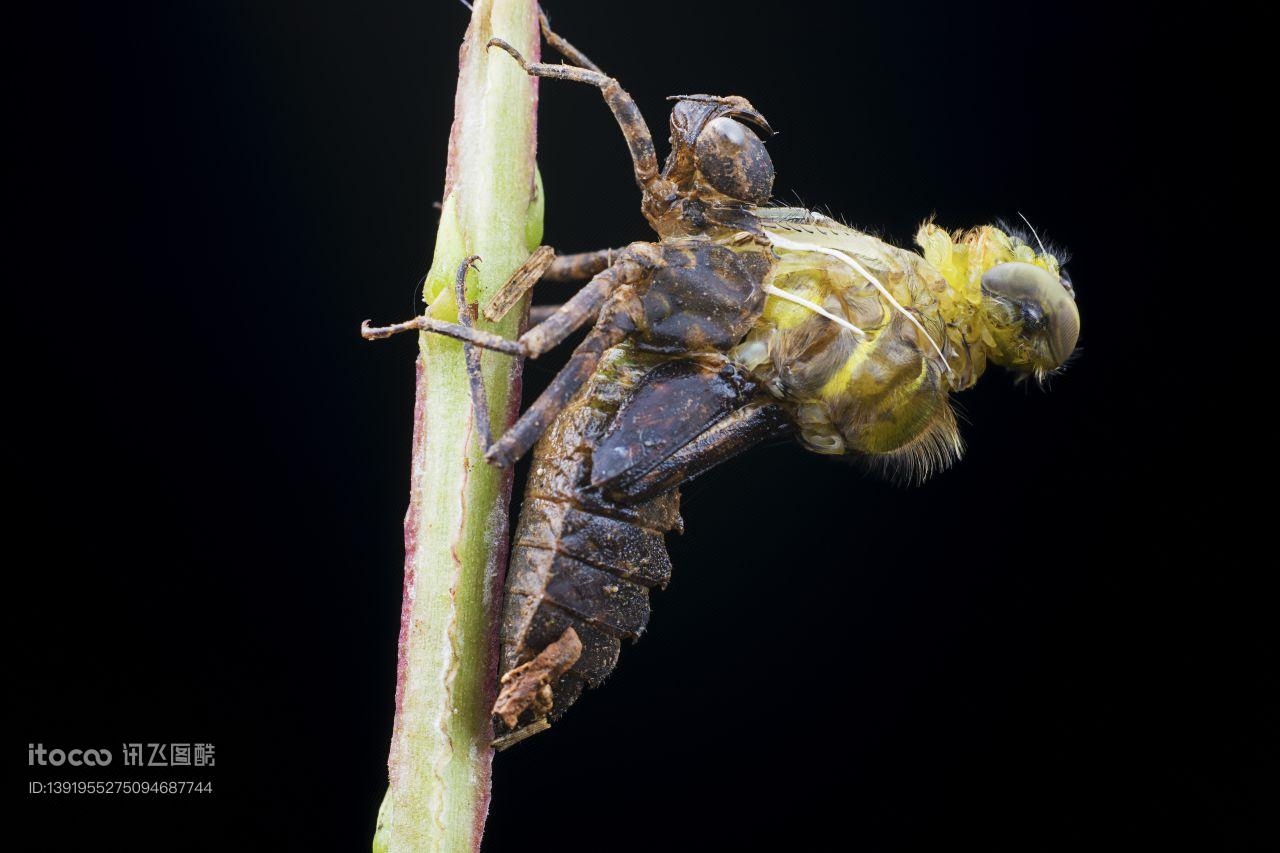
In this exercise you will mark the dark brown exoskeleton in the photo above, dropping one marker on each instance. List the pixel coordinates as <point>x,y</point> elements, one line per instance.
<point>649,399</point>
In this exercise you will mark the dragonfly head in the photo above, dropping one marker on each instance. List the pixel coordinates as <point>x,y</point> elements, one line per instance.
<point>1032,316</point>
<point>1026,317</point>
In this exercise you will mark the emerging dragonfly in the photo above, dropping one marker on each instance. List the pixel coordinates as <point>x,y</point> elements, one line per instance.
<point>742,322</point>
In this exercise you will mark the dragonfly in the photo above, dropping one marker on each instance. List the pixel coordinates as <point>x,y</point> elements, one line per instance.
<point>743,321</point>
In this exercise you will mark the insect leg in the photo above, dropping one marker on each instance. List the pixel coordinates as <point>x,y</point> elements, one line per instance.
<point>540,313</point>
<point>571,268</point>
<point>562,47</point>
<point>516,441</point>
<point>632,266</point>
<point>601,297</point>
<point>643,157</point>
<point>581,266</point>
<point>479,337</point>
<point>542,337</point>
<point>616,320</point>
<point>471,355</point>
<point>543,265</point>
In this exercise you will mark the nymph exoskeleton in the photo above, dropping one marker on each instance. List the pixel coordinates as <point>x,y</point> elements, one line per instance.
<point>741,322</point>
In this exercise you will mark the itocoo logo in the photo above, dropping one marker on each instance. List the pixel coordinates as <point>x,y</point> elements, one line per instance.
<point>37,754</point>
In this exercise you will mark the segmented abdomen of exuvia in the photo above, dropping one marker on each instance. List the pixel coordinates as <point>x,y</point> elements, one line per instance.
<point>579,559</point>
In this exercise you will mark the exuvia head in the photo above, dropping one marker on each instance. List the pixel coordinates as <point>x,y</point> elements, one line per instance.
<point>714,155</point>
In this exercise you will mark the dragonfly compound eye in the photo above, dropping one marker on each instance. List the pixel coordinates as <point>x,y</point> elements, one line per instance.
<point>732,160</point>
<point>1033,316</point>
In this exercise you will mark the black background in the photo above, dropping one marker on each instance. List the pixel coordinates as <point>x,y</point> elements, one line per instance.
<point>213,467</point>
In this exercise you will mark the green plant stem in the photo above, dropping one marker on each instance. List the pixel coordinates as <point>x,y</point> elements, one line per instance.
<point>456,526</point>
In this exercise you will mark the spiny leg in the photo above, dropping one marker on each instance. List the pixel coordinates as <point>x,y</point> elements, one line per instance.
<point>423,323</point>
<point>544,265</point>
<point>643,157</point>
<point>631,266</point>
<point>561,46</point>
<point>581,266</point>
<point>532,343</point>
<point>571,268</point>
<point>517,441</point>
<point>612,294</point>
<point>600,296</point>
<point>471,354</point>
